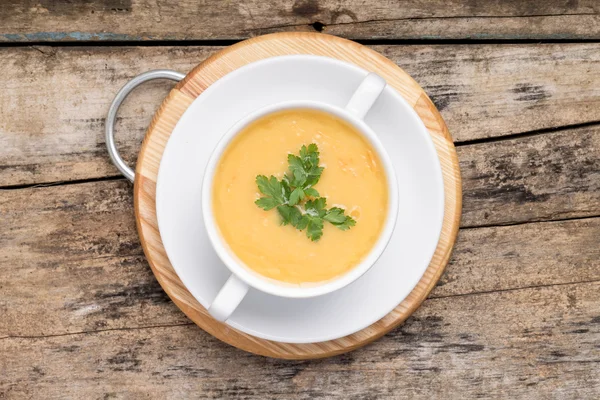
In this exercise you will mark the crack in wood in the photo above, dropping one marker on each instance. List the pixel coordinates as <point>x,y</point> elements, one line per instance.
<point>455,17</point>
<point>531,221</point>
<point>432,296</point>
<point>63,183</point>
<point>133,328</point>
<point>519,135</point>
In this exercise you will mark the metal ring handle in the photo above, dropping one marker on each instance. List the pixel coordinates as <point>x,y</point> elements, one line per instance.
<point>114,107</point>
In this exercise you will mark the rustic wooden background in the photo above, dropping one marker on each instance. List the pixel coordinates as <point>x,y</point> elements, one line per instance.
<point>517,313</point>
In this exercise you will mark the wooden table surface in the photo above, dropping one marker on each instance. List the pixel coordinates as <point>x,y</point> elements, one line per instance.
<point>517,313</point>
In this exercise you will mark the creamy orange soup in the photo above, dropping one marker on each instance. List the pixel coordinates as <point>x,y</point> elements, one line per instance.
<point>353,179</point>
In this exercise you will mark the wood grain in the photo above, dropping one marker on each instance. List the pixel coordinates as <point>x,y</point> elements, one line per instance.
<point>55,132</point>
<point>533,343</point>
<point>541,177</point>
<point>497,90</point>
<point>147,20</point>
<point>74,249</point>
<point>515,315</point>
<point>54,100</point>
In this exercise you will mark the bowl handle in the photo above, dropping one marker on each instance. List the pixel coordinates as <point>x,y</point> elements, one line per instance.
<point>365,95</point>
<point>229,297</point>
<point>114,107</point>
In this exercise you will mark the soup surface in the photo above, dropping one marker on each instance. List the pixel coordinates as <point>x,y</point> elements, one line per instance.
<point>353,179</point>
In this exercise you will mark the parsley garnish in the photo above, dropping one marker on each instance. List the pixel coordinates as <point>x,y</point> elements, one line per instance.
<point>297,201</point>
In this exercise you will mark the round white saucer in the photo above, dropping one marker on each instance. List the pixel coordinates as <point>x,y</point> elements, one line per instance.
<point>421,199</point>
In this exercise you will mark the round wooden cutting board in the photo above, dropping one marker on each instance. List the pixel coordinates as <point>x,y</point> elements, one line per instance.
<point>223,63</point>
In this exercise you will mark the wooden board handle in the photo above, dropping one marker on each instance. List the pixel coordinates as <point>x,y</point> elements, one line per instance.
<point>111,117</point>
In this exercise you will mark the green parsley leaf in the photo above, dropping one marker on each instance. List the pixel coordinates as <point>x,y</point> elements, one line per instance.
<point>309,162</point>
<point>310,155</point>
<point>337,218</point>
<point>267,203</point>
<point>347,224</point>
<point>303,223</point>
<point>299,174</point>
<point>313,176</point>
<point>271,188</point>
<point>287,191</point>
<point>316,207</point>
<point>335,215</point>
<point>314,230</point>
<point>290,215</point>
<point>296,195</point>
<point>310,159</point>
<point>312,192</point>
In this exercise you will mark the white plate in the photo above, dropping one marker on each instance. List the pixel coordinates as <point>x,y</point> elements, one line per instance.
<point>421,199</point>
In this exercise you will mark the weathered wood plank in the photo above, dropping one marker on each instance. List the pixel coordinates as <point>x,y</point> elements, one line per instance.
<point>535,343</point>
<point>520,256</point>
<point>489,91</point>
<point>481,27</point>
<point>54,101</point>
<point>135,20</point>
<point>75,250</point>
<point>75,247</point>
<point>541,177</point>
